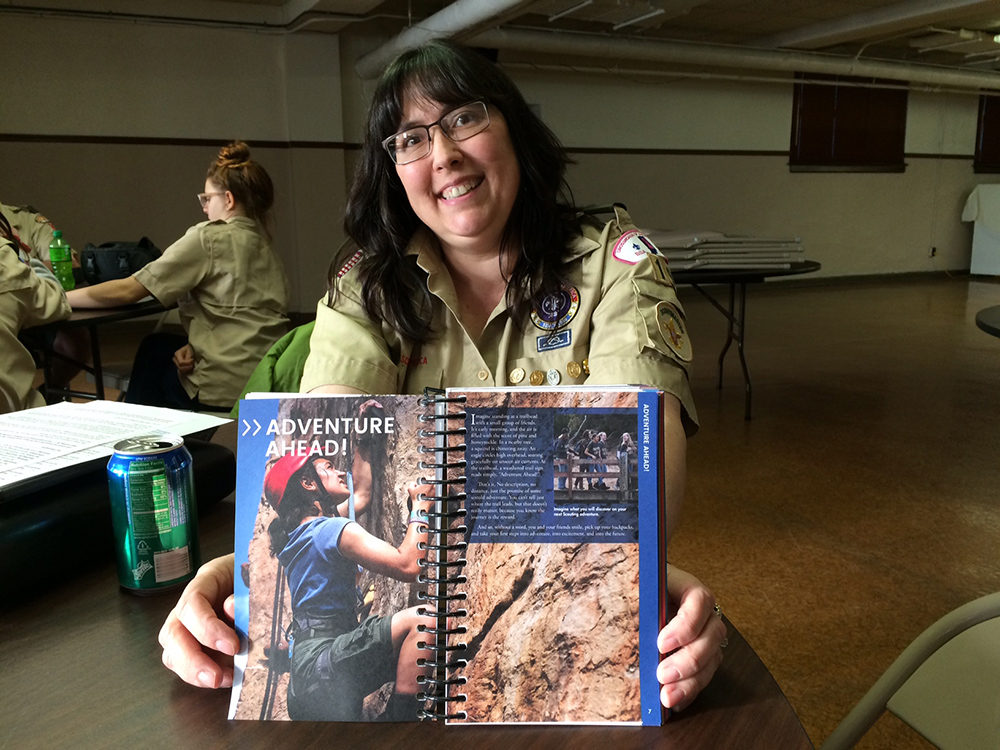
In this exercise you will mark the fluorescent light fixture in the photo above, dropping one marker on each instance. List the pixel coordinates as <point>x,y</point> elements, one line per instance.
<point>637,19</point>
<point>574,9</point>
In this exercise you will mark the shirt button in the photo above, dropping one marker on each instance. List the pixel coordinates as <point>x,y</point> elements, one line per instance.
<point>483,374</point>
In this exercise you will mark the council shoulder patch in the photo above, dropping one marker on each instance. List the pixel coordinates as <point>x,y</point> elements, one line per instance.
<point>632,247</point>
<point>672,329</point>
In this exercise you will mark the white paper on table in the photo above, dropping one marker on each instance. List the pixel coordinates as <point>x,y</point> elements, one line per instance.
<point>36,441</point>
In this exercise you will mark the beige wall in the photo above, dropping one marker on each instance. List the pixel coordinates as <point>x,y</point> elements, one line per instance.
<point>297,100</point>
<point>200,87</point>
<point>851,223</point>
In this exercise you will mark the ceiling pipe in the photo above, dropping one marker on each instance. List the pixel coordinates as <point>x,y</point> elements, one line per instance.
<point>883,20</point>
<point>262,27</point>
<point>692,53</point>
<point>454,21</point>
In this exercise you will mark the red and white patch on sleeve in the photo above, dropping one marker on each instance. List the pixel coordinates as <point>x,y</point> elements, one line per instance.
<point>631,247</point>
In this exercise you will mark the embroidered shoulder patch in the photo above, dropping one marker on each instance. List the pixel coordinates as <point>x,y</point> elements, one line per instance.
<point>672,330</point>
<point>351,263</point>
<point>632,247</point>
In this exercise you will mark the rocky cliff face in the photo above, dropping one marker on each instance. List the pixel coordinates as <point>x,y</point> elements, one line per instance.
<point>547,639</point>
<point>552,628</point>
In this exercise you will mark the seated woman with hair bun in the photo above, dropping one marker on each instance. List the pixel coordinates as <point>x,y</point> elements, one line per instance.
<point>229,286</point>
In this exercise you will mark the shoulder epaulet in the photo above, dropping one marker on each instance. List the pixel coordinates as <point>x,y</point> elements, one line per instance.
<point>598,209</point>
<point>597,215</point>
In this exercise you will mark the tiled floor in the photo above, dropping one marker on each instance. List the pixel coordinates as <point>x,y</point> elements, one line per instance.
<point>861,502</point>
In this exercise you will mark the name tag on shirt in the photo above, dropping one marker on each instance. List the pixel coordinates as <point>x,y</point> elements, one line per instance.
<point>556,340</point>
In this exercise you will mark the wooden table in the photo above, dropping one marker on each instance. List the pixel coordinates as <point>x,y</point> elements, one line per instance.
<point>91,320</point>
<point>988,319</point>
<point>736,311</point>
<point>81,669</point>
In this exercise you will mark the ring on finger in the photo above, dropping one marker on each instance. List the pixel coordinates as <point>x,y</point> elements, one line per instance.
<point>718,610</point>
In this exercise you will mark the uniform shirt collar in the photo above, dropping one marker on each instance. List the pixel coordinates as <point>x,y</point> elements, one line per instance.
<point>424,245</point>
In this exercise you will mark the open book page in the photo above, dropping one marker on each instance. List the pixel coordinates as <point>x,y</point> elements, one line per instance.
<point>37,441</point>
<point>302,605</point>
<point>562,565</point>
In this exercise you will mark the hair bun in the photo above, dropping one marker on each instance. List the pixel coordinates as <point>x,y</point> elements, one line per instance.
<point>235,154</point>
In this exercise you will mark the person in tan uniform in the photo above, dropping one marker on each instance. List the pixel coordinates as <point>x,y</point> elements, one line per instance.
<point>469,267</point>
<point>32,233</point>
<point>228,284</point>
<point>29,295</point>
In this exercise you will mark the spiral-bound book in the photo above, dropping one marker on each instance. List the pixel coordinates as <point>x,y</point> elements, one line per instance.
<point>471,555</point>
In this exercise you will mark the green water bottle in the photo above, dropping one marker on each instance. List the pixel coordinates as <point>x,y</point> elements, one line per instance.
<point>62,261</point>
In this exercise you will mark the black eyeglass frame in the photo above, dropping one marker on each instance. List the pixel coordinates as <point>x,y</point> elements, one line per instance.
<point>388,143</point>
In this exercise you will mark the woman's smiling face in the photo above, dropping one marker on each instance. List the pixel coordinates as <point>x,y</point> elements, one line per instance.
<point>462,191</point>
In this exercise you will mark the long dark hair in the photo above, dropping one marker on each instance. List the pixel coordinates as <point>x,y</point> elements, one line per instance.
<point>380,221</point>
<point>6,231</point>
<point>296,503</point>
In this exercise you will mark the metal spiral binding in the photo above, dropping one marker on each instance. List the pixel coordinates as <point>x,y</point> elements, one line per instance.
<point>444,559</point>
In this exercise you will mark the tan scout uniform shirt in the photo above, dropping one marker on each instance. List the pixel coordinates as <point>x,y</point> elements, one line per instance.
<point>619,323</point>
<point>33,231</point>
<point>26,299</point>
<point>232,295</point>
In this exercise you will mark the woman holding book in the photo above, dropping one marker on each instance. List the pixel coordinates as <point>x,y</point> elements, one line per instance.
<point>470,266</point>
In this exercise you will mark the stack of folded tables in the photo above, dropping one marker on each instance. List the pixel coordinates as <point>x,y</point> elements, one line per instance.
<point>708,251</point>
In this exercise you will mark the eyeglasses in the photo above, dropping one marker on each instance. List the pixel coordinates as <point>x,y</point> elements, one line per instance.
<point>204,198</point>
<point>457,124</point>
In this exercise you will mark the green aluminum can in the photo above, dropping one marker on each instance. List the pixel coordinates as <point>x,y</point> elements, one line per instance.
<point>154,513</point>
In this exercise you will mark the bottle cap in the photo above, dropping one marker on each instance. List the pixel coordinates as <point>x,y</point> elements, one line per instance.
<point>57,234</point>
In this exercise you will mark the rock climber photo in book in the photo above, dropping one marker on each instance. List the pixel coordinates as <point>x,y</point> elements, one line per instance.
<point>533,599</point>
<point>328,606</point>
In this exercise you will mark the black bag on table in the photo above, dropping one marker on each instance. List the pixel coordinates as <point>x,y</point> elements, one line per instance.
<point>116,260</point>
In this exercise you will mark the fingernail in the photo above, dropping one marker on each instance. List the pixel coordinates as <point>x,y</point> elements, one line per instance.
<point>225,647</point>
<point>669,645</point>
<point>207,679</point>
<point>675,699</point>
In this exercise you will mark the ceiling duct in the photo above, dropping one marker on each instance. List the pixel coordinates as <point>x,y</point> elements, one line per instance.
<point>885,20</point>
<point>613,51</point>
<point>453,22</point>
